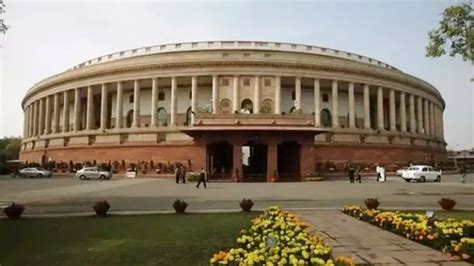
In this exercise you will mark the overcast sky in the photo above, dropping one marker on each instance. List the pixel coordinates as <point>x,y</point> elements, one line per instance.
<point>48,37</point>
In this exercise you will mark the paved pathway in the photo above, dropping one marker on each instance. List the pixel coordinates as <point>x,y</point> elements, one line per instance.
<point>370,245</point>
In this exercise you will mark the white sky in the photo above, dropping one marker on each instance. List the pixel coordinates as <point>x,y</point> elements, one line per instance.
<point>48,37</point>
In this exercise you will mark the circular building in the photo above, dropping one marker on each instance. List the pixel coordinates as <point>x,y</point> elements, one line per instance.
<point>243,110</point>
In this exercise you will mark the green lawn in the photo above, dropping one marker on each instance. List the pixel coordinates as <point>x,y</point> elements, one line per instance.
<point>457,214</point>
<point>166,239</point>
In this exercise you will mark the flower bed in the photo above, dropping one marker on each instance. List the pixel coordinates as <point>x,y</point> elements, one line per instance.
<point>451,236</point>
<point>278,237</point>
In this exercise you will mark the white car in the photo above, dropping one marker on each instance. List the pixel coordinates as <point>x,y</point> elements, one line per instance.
<point>401,170</point>
<point>421,173</point>
<point>93,172</point>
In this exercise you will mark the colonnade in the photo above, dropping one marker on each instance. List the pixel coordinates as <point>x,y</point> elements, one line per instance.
<point>42,116</point>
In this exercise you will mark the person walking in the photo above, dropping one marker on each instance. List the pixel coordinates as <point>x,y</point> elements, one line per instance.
<point>177,174</point>
<point>378,170</point>
<point>202,178</point>
<point>183,174</point>
<point>350,171</point>
<point>357,173</point>
<point>382,174</point>
<point>462,171</point>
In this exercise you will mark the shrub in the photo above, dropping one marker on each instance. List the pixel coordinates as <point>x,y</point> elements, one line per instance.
<point>14,211</point>
<point>101,208</point>
<point>372,203</point>
<point>447,203</point>
<point>180,206</point>
<point>246,205</point>
<point>193,177</point>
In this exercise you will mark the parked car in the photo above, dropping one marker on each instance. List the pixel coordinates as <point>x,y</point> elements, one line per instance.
<point>93,173</point>
<point>35,172</point>
<point>401,170</point>
<point>421,173</point>
<point>131,173</point>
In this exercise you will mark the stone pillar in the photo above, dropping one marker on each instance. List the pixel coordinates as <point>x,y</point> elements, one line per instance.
<point>136,103</point>
<point>103,107</point>
<point>66,111</point>
<point>56,113</point>
<point>47,128</point>
<point>380,122</point>
<point>41,117</point>
<point>426,117</point>
<point>256,95</point>
<point>366,106</point>
<point>272,162</point>
<point>335,105</point>
<point>432,120</point>
<point>35,118</point>
<point>119,106</point>
<point>174,98</point>
<point>393,124</point>
<point>352,122</point>
<point>298,93</point>
<point>317,103</point>
<point>215,93</point>
<point>154,99</point>
<point>442,123</point>
<point>419,113</point>
<point>278,95</point>
<point>28,124</point>
<point>237,162</point>
<point>77,110</point>
<point>194,90</point>
<point>25,122</point>
<point>235,95</point>
<point>89,108</point>
<point>412,114</point>
<point>403,113</point>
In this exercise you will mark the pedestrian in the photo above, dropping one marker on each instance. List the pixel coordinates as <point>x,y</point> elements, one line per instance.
<point>183,174</point>
<point>350,171</point>
<point>382,174</point>
<point>357,173</point>
<point>177,174</point>
<point>202,178</point>
<point>462,171</point>
<point>378,170</point>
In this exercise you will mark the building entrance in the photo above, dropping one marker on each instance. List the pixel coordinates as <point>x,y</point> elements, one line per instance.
<point>254,162</point>
<point>288,157</point>
<point>219,161</point>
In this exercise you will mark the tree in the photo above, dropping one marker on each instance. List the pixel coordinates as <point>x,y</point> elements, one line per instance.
<point>9,149</point>
<point>455,33</point>
<point>3,27</point>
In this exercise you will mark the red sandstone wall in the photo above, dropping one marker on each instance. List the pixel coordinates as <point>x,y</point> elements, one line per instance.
<point>131,154</point>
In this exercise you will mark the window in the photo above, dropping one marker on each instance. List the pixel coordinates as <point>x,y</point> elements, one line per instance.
<point>188,117</point>
<point>131,99</point>
<point>267,106</point>
<point>246,54</point>
<point>224,82</point>
<point>326,118</point>
<point>246,82</point>
<point>246,106</point>
<point>161,96</point>
<point>425,169</point>
<point>325,98</point>
<point>225,106</point>
<point>162,117</point>
<point>293,95</point>
<point>267,82</point>
<point>147,49</point>
<point>178,45</point>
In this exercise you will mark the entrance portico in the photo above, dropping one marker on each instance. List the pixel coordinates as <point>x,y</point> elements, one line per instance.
<point>256,154</point>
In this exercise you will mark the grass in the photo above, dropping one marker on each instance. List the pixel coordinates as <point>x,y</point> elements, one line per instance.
<point>444,214</point>
<point>164,239</point>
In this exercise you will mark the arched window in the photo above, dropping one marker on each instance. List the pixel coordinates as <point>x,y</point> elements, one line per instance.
<point>130,99</point>
<point>326,118</point>
<point>190,94</point>
<point>325,98</point>
<point>225,106</point>
<point>161,96</point>
<point>129,119</point>
<point>246,106</point>
<point>162,117</point>
<point>267,106</point>
<point>188,117</point>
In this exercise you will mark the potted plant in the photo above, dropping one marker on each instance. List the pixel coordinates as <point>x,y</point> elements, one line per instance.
<point>246,205</point>
<point>180,206</point>
<point>14,211</point>
<point>447,203</point>
<point>371,203</point>
<point>101,207</point>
